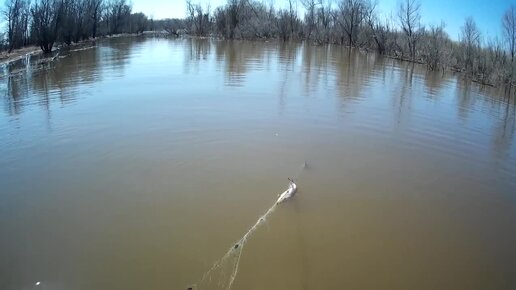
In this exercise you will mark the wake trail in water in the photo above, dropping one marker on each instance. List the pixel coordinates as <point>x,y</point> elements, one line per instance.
<point>231,260</point>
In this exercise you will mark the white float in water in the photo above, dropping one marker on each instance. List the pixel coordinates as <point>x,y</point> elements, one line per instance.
<point>292,187</point>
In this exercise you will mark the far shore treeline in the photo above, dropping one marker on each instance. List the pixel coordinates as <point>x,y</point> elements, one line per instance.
<point>45,22</point>
<point>355,23</point>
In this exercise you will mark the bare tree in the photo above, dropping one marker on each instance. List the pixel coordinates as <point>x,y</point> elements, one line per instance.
<point>292,16</point>
<point>470,40</point>
<point>233,17</point>
<point>220,21</point>
<point>118,13</point>
<point>138,23</point>
<point>492,63</point>
<point>255,20</point>
<point>171,26</point>
<point>310,7</point>
<point>351,15</point>
<point>409,17</point>
<point>46,17</point>
<point>283,23</point>
<point>190,13</point>
<point>435,48</point>
<point>379,31</point>
<point>16,14</point>
<point>25,23</point>
<point>71,21</point>
<point>286,21</point>
<point>324,21</point>
<point>509,31</point>
<point>198,18</point>
<point>94,11</point>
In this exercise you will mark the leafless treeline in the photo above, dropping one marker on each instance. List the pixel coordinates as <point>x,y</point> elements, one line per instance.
<point>357,23</point>
<point>45,22</point>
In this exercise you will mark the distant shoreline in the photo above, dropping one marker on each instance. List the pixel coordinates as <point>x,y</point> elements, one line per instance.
<point>394,57</point>
<point>18,54</point>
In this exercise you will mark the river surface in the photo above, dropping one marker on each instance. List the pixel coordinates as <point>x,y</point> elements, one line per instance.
<point>138,163</point>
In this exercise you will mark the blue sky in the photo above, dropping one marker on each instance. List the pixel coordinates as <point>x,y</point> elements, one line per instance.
<point>486,13</point>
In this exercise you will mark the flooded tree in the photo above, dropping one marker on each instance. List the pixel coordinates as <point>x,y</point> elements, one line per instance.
<point>227,18</point>
<point>283,24</point>
<point>94,10</point>
<point>325,22</point>
<point>509,30</point>
<point>71,18</point>
<point>409,17</point>
<point>310,8</point>
<point>470,42</point>
<point>350,16</point>
<point>292,17</point>
<point>16,14</point>
<point>171,26</point>
<point>138,22</point>
<point>379,31</point>
<point>435,51</point>
<point>118,12</point>
<point>287,21</point>
<point>46,18</point>
<point>249,20</point>
<point>493,62</point>
<point>198,18</point>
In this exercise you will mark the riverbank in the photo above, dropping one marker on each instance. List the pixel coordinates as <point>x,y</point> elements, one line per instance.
<point>20,53</point>
<point>17,54</point>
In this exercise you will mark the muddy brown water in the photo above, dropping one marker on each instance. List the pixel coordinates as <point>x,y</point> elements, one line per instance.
<point>137,164</point>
